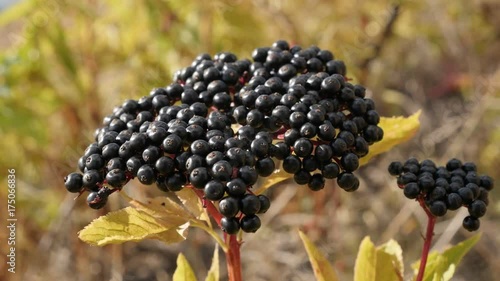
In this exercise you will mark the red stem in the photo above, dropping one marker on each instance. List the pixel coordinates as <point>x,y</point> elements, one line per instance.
<point>233,259</point>
<point>431,222</point>
<point>209,205</point>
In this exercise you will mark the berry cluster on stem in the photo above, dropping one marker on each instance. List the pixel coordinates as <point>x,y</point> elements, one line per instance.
<point>442,189</point>
<point>292,104</point>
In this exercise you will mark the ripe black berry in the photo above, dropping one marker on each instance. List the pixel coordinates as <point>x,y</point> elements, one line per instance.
<point>349,162</point>
<point>176,181</point>
<point>151,154</point>
<point>453,201</point>
<point>303,147</point>
<point>453,164</point>
<point>302,177</point>
<point>90,179</point>
<point>236,187</point>
<point>73,182</point>
<point>172,144</point>
<point>250,223</point>
<point>96,200</point>
<point>248,175</point>
<point>467,195</point>
<point>330,171</point>
<point>199,177</point>
<point>317,182</point>
<point>214,190</point>
<point>110,150</point>
<point>116,178</point>
<point>438,208</point>
<point>146,175</point>
<point>265,167</point>
<point>94,162</point>
<point>395,168</point>
<point>348,181</point>
<point>229,206</point>
<point>230,225</point>
<point>265,203</point>
<point>471,223</point>
<point>249,204</point>
<point>164,165</point>
<point>486,182</point>
<point>133,164</point>
<point>411,190</point>
<point>222,170</point>
<point>477,208</point>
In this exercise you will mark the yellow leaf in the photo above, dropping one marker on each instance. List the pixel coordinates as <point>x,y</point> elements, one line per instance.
<point>278,176</point>
<point>190,201</point>
<point>323,271</point>
<point>396,131</point>
<point>129,224</point>
<point>183,272</point>
<point>213,272</point>
<point>162,207</point>
<point>389,266</point>
<point>171,236</point>
<point>366,261</point>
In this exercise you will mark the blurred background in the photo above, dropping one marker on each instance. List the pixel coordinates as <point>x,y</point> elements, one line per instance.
<point>64,64</point>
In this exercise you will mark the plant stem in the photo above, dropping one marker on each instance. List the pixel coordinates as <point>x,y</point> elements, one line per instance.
<point>233,259</point>
<point>212,211</point>
<point>431,222</point>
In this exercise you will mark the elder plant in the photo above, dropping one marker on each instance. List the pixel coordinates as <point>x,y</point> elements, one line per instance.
<point>223,123</point>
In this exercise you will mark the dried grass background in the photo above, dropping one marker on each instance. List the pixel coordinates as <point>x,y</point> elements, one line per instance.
<point>64,64</point>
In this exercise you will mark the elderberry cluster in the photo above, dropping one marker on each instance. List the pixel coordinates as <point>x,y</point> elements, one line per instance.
<point>445,188</point>
<point>291,104</point>
<point>303,98</point>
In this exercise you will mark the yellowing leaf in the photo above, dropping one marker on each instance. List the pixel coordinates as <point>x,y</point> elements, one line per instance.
<point>170,236</point>
<point>444,272</point>
<point>389,262</point>
<point>396,131</point>
<point>323,271</point>
<point>183,272</point>
<point>213,272</point>
<point>129,224</point>
<point>442,266</point>
<point>190,201</point>
<point>163,208</point>
<point>277,177</point>
<point>366,261</point>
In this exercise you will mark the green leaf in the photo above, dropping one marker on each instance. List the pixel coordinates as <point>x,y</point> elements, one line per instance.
<point>442,266</point>
<point>130,224</point>
<point>366,262</point>
<point>213,272</point>
<point>443,271</point>
<point>322,268</point>
<point>183,272</point>
<point>390,264</point>
<point>396,131</point>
